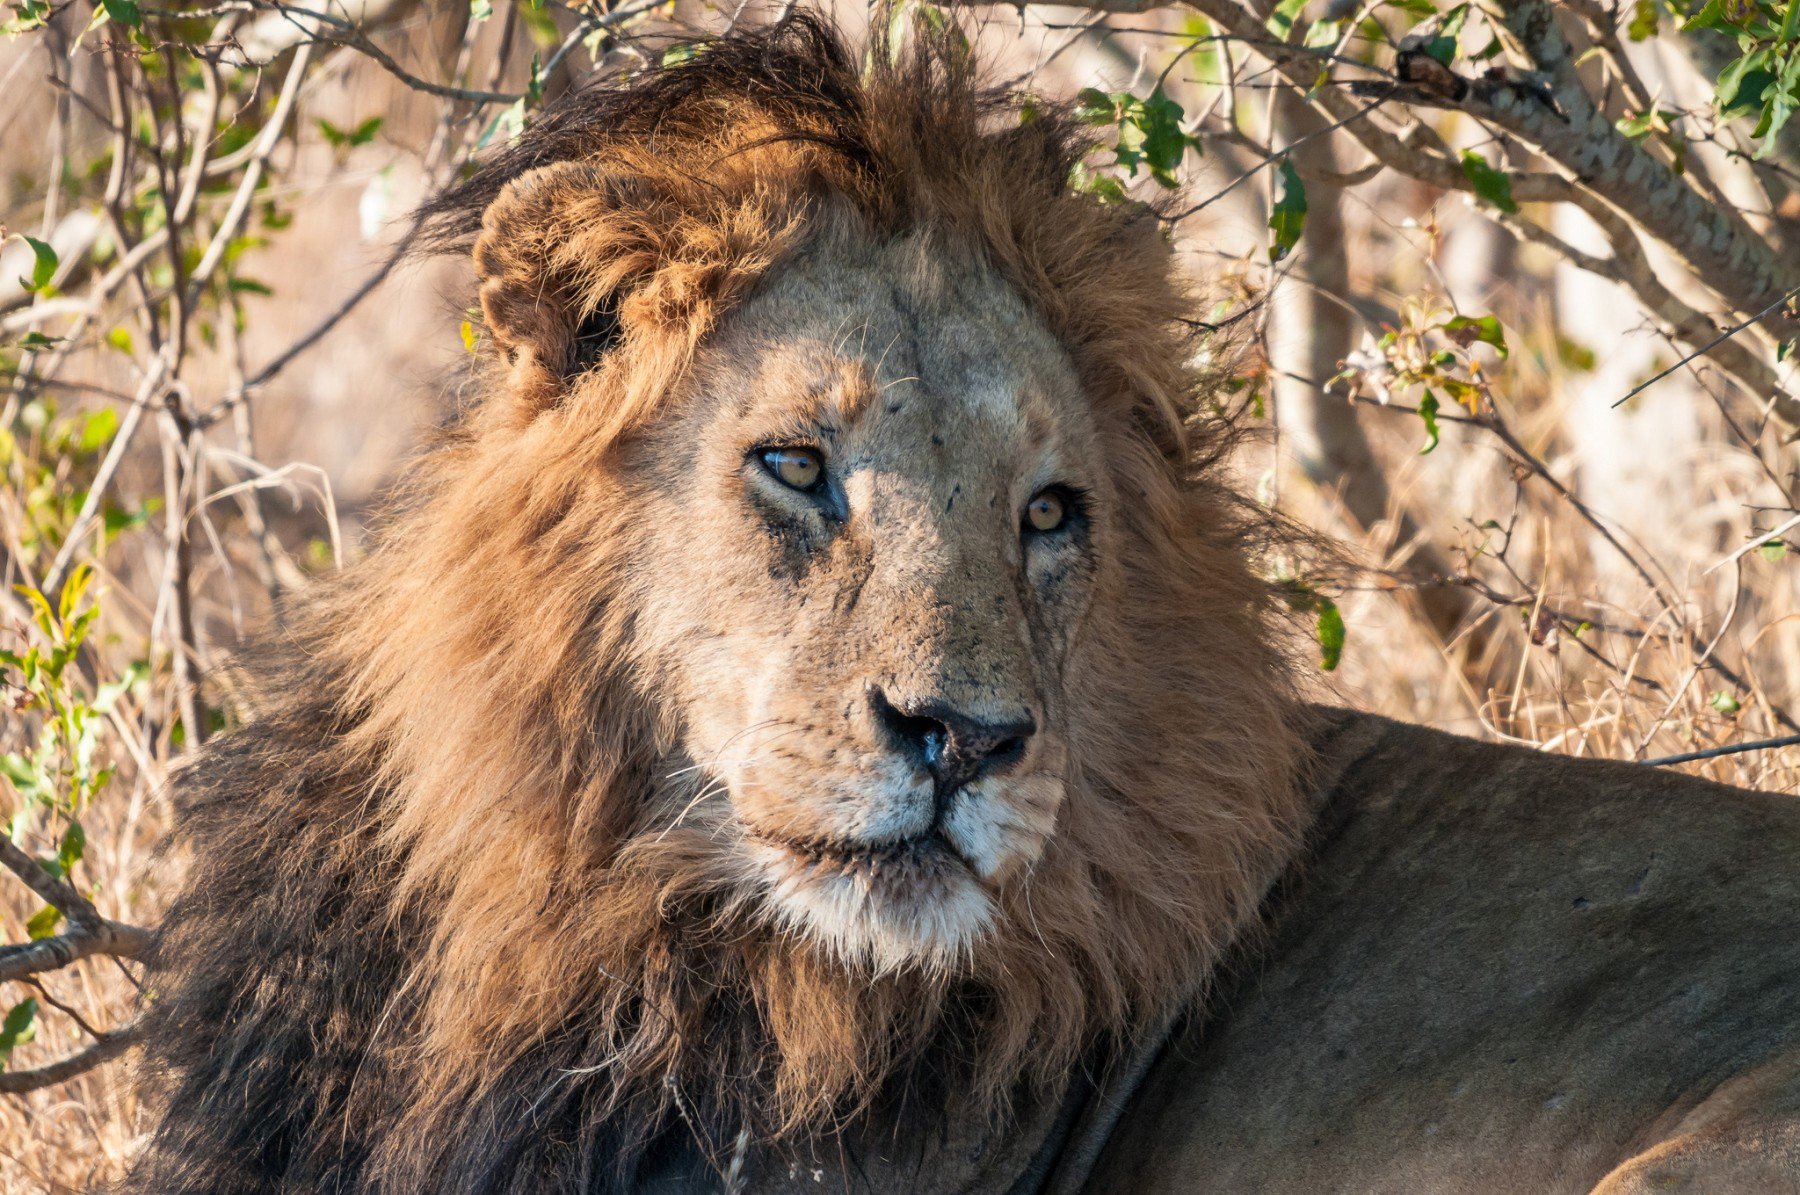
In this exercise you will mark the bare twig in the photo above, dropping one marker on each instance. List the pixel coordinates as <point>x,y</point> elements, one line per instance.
<point>1792,740</point>
<point>102,1051</point>
<point>52,890</point>
<point>89,932</point>
<point>111,938</point>
<point>1789,407</point>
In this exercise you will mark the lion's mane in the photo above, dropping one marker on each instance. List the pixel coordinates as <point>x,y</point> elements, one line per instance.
<point>438,931</point>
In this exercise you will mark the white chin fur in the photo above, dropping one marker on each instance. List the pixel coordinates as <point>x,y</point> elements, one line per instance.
<point>926,914</point>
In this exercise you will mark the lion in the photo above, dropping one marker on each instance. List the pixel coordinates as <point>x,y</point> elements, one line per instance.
<point>814,723</point>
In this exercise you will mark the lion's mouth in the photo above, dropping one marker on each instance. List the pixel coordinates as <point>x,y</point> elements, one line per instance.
<point>900,859</point>
<point>883,904</point>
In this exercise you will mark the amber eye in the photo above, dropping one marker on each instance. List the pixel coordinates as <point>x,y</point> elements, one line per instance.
<point>796,468</point>
<point>1046,511</point>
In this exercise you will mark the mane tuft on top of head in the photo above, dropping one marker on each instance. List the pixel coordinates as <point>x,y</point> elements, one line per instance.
<point>914,138</point>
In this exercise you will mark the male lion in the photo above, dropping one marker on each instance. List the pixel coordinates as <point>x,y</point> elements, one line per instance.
<point>812,725</point>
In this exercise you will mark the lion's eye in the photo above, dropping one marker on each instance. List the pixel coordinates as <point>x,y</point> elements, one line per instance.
<point>1046,511</point>
<point>796,468</point>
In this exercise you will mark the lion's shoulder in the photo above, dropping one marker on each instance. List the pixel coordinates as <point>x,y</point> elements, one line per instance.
<point>1488,954</point>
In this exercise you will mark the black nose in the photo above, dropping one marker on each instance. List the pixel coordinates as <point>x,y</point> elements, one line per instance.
<point>955,747</point>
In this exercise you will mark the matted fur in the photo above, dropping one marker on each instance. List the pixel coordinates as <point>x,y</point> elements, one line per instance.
<point>462,915</point>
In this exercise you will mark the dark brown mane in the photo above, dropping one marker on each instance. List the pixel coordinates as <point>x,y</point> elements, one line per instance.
<point>800,78</point>
<point>439,933</point>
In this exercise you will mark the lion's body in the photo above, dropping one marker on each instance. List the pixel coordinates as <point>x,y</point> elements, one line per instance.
<point>815,716</point>
<point>1499,971</point>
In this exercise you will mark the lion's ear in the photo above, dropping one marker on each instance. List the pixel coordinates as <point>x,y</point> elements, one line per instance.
<point>559,251</point>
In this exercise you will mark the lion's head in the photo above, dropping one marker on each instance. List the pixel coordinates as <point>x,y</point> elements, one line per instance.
<point>826,652</point>
<point>879,523</point>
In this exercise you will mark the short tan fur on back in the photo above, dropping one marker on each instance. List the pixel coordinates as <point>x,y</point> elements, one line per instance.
<point>602,802</point>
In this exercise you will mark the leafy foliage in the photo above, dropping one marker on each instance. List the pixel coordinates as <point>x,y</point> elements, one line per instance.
<point>1764,80</point>
<point>1287,217</point>
<point>1150,130</point>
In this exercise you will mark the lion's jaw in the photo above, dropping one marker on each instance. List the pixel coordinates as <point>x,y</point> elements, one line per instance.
<point>908,592</point>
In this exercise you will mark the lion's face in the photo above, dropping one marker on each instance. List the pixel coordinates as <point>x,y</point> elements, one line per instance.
<point>888,527</point>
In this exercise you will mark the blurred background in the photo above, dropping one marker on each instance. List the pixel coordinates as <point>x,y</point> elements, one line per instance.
<point>1510,289</point>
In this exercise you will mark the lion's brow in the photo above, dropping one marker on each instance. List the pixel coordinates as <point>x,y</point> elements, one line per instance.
<point>842,389</point>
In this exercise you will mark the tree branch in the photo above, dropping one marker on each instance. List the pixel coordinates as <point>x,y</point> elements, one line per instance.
<point>104,1050</point>
<point>89,932</point>
<point>111,938</point>
<point>1554,113</point>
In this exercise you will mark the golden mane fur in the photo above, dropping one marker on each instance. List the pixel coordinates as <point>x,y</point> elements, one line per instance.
<point>447,890</point>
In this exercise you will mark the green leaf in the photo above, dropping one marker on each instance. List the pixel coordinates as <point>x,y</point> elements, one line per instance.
<point>1725,703</point>
<point>510,121</point>
<point>43,268</point>
<point>1093,106</point>
<point>1645,18</point>
<point>125,12</point>
<point>1287,219</point>
<point>108,694</point>
<point>1443,44</point>
<point>1743,82</point>
<point>1103,187</point>
<point>1651,120</point>
<point>1782,99</point>
<point>1773,550</point>
<point>43,923</point>
<point>1322,35</point>
<point>540,24</point>
<point>480,10</point>
<point>120,338</point>
<point>73,590</point>
<point>1150,132</point>
<point>1485,329</point>
<point>31,15</point>
<point>18,1027</point>
<point>362,134</point>
<point>1281,20</point>
<point>1164,142</point>
<point>1493,185</point>
<point>74,843</point>
<point>1428,411</point>
<point>97,429</point>
<point>1710,16</point>
<point>22,773</point>
<point>1331,633</point>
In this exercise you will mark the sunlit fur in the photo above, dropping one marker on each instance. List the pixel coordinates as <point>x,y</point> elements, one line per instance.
<point>482,899</point>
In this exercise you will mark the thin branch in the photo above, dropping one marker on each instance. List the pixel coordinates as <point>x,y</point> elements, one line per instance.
<point>50,889</point>
<point>149,391</point>
<point>246,191</point>
<point>1553,112</point>
<point>1785,406</point>
<point>1756,543</point>
<point>1792,740</point>
<point>110,938</point>
<point>104,1050</point>
<point>89,932</point>
<point>323,327</point>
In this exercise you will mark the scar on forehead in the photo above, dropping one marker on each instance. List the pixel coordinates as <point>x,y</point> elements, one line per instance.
<point>841,387</point>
